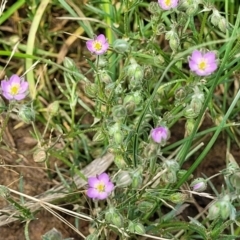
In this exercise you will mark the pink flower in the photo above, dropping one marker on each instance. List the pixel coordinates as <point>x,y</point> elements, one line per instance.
<point>99,187</point>
<point>160,135</point>
<point>203,64</point>
<point>168,4</point>
<point>98,46</point>
<point>15,88</point>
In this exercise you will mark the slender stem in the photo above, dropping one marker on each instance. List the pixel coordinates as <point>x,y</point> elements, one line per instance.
<point>26,232</point>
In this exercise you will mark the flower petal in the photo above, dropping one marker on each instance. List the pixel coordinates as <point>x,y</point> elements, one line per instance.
<point>7,96</point>
<point>89,45</point>
<point>23,87</point>
<point>93,182</point>
<point>101,38</point>
<point>102,195</point>
<point>92,193</point>
<point>14,79</point>
<point>104,178</point>
<point>19,96</point>
<point>210,57</point>
<point>109,187</point>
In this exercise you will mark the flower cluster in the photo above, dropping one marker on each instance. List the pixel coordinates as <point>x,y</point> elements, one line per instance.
<point>203,64</point>
<point>99,187</point>
<point>15,88</point>
<point>98,45</point>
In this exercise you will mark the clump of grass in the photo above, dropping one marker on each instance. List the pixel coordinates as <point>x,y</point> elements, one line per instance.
<point>150,66</point>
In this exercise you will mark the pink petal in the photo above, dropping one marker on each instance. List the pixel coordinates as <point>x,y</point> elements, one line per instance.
<point>102,195</point>
<point>109,187</point>
<point>196,56</point>
<point>104,178</point>
<point>92,193</point>
<point>19,96</point>
<point>4,85</point>
<point>7,95</point>
<point>14,79</point>
<point>210,57</point>
<point>23,87</point>
<point>93,181</point>
<point>89,45</point>
<point>101,38</point>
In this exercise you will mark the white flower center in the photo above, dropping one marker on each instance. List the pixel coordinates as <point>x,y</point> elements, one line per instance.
<point>14,89</point>
<point>97,45</point>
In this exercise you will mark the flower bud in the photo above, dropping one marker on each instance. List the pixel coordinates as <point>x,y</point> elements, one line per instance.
<point>99,136</point>
<point>121,45</point>
<point>4,191</point>
<point>173,38</point>
<point>123,179</point>
<point>189,126</point>
<point>53,108</point>
<point>222,24</point>
<point>160,135</point>
<point>199,184</point>
<point>104,77</point>
<point>146,206</point>
<point>69,63</point>
<point>180,94</point>
<point>118,137</point>
<point>225,209</point>
<point>170,176</point>
<point>153,7</point>
<point>112,216</point>
<point>215,17</point>
<point>26,114</point>
<point>235,180</point>
<point>214,211</point>
<point>137,228</point>
<point>53,234</point>
<point>192,9</point>
<point>92,236</point>
<point>160,29</point>
<point>101,62</point>
<point>178,198</point>
<point>137,179</point>
<point>151,150</point>
<point>91,89</point>
<point>119,161</point>
<point>40,155</point>
<point>171,164</point>
<point>135,72</point>
<point>119,112</point>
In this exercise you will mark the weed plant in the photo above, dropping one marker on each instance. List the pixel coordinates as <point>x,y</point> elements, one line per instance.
<point>153,73</point>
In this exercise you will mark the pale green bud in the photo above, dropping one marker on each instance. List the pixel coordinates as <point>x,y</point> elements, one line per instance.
<point>53,108</point>
<point>101,62</point>
<point>91,89</point>
<point>189,126</point>
<point>112,216</point>
<point>151,150</point>
<point>118,137</point>
<point>160,29</point>
<point>119,161</point>
<point>119,112</point>
<point>222,24</point>
<point>53,234</point>
<point>173,38</point>
<point>105,77</point>
<point>40,155</point>
<point>180,94</point>
<point>137,228</point>
<point>225,209</point>
<point>235,180</point>
<point>215,17</point>
<point>99,136</point>
<point>4,191</point>
<point>92,236</point>
<point>153,7</point>
<point>69,63</point>
<point>171,164</point>
<point>214,211</point>
<point>178,198</point>
<point>199,184</point>
<point>145,206</point>
<point>123,179</point>
<point>121,45</point>
<point>192,9</point>
<point>114,128</point>
<point>137,178</point>
<point>170,176</point>
<point>26,114</point>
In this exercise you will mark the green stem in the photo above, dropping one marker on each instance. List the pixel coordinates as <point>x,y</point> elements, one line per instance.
<point>30,45</point>
<point>26,232</point>
<point>203,23</point>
